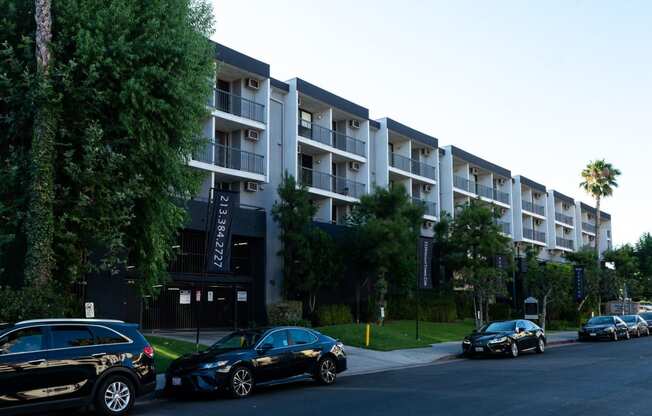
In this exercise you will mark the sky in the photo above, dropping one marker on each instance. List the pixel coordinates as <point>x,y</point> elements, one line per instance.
<point>540,88</point>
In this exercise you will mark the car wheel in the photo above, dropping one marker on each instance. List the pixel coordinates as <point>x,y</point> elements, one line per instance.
<point>241,382</point>
<point>513,351</point>
<point>615,337</point>
<point>115,397</point>
<point>326,371</point>
<point>541,346</point>
<point>638,333</point>
<point>627,335</point>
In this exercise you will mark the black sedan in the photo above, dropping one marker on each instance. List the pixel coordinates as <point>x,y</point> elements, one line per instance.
<point>244,359</point>
<point>647,316</point>
<point>506,338</point>
<point>637,326</point>
<point>604,327</point>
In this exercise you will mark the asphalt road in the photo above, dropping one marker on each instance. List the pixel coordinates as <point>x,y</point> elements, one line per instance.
<point>602,378</point>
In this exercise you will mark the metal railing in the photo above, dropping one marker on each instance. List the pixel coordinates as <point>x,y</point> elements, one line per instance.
<point>501,196</point>
<point>505,227</point>
<point>239,106</point>
<point>229,157</point>
<point>412,165</point>
<point>479,189</point>
<point>463,184</point>
<point>565,243</point>
<point>566,219</point>
<point>531,234</point>
<point>332,138</point>
<point>532,207</point>
<point>431,207</point>
<point>588,227</point>
<point>485,191</point>
<point>332,183</point>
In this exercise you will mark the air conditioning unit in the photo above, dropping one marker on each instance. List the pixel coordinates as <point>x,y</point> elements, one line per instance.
<point>428,224</point>
<point>565,206</point>
<point>253,83</point>
<point>252,135</point>
<point>427,188</point>
<point>251,186</point>
<point>426,151</point>
<point>354,124</point>
<point>474,171</point>
<point>537,195</point>
<point>591,238</point>
<point>500,181</point>
<point>538,222</point>
<point>503,211</point>
<point>567,231</point>
<point>354,166</point>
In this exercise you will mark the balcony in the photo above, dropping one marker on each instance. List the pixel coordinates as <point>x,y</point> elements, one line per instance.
<point>463,184</point>
<point>231,158</point>
<point>332,138</point>
<point>532,207</point>
<point>505,227</point>
<point>412,165</point>
<point>331,183</point>
<point>588,227</point>
<point>236,105</point>
<point>431,207</point>
<point>563,218</point>
<point>501,196</point>
<point>481,190</point>
<point>565,243</point>
<point>531,234</point>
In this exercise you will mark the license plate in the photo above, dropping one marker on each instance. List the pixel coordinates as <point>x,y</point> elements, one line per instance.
<point>176,381</point>
<point>479,349</point>
<point>593,334</point>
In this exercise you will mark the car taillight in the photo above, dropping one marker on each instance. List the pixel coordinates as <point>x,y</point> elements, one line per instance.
<point>149,351</point>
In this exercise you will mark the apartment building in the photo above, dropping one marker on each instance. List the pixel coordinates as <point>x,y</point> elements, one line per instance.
<point>585,231</point>
<point>529,214</point>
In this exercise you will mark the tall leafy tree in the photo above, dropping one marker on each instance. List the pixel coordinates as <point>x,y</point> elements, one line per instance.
<point>625,271</point>
<point>643,253</point>
<point>480,240</point>
<point>599,178</point>
<point>593,277</point>
<point>549,283</point>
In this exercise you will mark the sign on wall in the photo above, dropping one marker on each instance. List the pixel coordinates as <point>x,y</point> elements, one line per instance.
<point>184,297</point>
<point>219,250</point>
<point>209,295</point>
<point>242,295</point>
<point>90,310</point>
<point>424,259</point>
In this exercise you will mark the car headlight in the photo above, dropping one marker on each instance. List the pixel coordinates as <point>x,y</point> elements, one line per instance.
<point>610,329</point>
<point>466,341</point>
<point>215,364</point>
<point>498,340</point>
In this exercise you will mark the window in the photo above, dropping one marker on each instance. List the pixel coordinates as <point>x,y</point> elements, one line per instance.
<point>306,119</point>
<point>278,339</point>
<point>23,340</point>
<point>301,337</point>
<point>105,336</point>
<point>67,336</point>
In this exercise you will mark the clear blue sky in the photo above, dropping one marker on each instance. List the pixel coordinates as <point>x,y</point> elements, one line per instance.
<point>538,87</point>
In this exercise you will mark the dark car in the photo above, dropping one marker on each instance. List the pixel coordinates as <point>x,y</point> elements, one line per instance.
<point>603,327</point>
<point>506,338</point>
<point>60,363</point>
<point>244,359</point>
<point>637,326</point>
<point>647,316</point>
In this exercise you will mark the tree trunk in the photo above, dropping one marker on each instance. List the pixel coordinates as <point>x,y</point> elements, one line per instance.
<point>39,261</point>
<point>598,220</point>
<point>544,311</point>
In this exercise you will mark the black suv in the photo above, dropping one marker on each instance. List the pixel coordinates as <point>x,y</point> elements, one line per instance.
<point>57,363</point>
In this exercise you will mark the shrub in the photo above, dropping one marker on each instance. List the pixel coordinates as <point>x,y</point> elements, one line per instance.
<point>432,309</point>
<point>499,311</point>
<point>334,315</point>
<point>34,303</point>
<point>286,313</point>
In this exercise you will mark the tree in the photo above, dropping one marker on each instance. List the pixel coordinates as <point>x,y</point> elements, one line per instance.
<point>599,180</point>
<point>593,284</point>
<point>128,80</point>
<point>625,272</point>
<point>310,257</point>
<point>643,253</point>
<point>386,226</point>
<point>549,283</point>
<point>480,241</point>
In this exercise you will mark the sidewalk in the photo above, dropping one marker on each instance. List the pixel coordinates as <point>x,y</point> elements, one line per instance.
<point>364,361</point>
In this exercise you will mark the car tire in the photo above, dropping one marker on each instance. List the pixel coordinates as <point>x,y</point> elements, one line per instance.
<point>513,350</point>
<point>326,373</point>
<point>615,337</point>
<point>115,397</point>
<point>638,333</point>
<point>241,382</point>
<point>627,335</point>
<point>541,346</point>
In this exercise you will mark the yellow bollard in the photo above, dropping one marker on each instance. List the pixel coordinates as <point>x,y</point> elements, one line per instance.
<point>367,335</point>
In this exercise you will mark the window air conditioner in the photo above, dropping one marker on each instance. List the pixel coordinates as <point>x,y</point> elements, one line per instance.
<point>252,135</point>
<point>354,124</point>
<point>251,186</point>
<point>427,188</point>
<point>354,166</point>
<point>253,83</point>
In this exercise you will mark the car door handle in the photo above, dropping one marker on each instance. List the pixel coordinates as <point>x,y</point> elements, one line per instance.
<point>98,355</point>
<point>37,362</point>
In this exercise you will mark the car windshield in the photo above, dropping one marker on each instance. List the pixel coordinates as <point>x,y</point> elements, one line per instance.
<point>238,340</point>
<point>499,327</point>
<point>629,318</point>
<point>647,316</point>
<point>601,320</point>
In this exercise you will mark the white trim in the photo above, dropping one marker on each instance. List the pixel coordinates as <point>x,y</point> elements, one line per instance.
<point>331,149</point>
<point>411,175</point>
<point>238,119</point>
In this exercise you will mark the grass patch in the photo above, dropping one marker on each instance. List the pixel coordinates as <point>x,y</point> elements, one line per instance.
<point>399,334</point>
<point>167,350</point>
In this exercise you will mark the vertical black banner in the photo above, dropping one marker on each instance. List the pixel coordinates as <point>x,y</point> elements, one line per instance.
<point>578,283</point>
<point>219,244</point>
<point>425,263</point>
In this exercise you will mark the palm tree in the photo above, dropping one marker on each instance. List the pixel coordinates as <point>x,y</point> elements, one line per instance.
<point>600,179</point>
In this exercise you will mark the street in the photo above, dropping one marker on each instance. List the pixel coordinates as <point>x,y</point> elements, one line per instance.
<point>589,378</point>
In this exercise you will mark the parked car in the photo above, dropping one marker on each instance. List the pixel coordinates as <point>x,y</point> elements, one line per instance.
<point>505,337</point>
<point>637,326</point>
<point>58,363</point>
<point>647,316</point>
<point>245,359</point>
<point>604,327</point>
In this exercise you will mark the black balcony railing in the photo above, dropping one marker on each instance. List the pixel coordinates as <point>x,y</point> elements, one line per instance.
<point>480,189</point>
<point>412,165</point>
<point>332,138</point>
<point>566,219</point>
<point>431,207</point>
<point>239,106</point>
<point>565,243</point>
<point>501,196</point>
<point>332,183</point>
<point>532,207</point>
<point>586,226</point>
<point>229,157</point>
<point>505,227</point>
<point>463,184</point>
<point>531,234</point>
<point>483,190</point>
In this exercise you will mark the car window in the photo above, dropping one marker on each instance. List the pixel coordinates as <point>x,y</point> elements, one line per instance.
<point>498,327</point>
<point>105,336</point>
<point>618,320</point>
<point>66,336</point>
<point>530,326</point>
<point>278,339</point>
<point>301,337</point>
<point>23,340</point>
